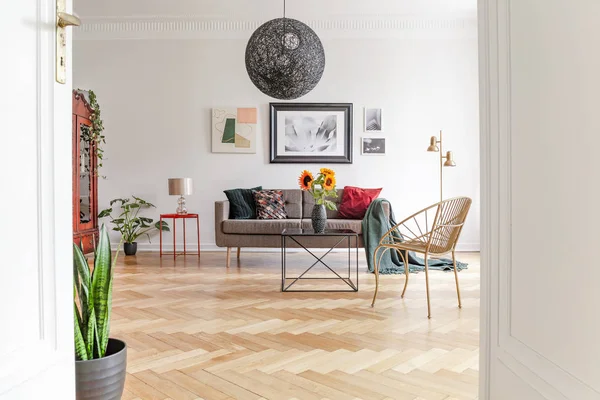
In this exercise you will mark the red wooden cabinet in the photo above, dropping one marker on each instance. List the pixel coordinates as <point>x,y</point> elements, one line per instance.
<point>85,177</point>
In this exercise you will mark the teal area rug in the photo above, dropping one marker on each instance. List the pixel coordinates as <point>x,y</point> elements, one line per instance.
<point>374,225</point>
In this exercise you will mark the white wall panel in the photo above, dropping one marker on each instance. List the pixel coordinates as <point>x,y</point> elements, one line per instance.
<point>539,131</point>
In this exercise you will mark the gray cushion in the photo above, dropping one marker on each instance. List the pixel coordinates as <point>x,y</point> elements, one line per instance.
<point>354,224</point>
<point>309,202</point>
<point>259,226</point>
<point>293,202</point>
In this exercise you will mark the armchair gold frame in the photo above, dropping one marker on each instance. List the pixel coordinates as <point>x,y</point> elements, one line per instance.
<point>409,235</point>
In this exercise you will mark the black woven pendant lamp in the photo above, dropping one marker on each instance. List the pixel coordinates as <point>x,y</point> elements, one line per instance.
<point>285,58</point>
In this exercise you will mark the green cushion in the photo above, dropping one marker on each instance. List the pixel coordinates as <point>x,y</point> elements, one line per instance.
<point>241,203</point>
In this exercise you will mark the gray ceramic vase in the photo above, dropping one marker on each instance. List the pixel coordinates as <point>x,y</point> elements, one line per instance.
<point>103,378</point>
<point>319,218</point>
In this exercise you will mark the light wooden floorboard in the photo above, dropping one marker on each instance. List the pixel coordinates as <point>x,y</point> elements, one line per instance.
<point>198,330</point>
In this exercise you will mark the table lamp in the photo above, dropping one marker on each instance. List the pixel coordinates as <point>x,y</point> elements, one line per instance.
<point>180,187</point>
<point>433,147</point>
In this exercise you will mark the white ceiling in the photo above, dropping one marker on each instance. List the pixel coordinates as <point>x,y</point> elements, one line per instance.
<point>267,9</point>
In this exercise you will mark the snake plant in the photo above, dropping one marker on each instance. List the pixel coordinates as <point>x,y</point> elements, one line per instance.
<point>93,299</point>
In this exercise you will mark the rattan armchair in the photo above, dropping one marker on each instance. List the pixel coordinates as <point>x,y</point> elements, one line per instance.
<point>433,231</point>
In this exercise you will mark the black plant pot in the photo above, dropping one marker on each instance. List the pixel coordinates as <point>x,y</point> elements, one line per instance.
<point>130,248</point>
<point>103,378</point>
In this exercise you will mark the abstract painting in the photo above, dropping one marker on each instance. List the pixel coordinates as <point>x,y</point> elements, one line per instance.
<point>234,130</point>
<point>373,120</point>
<point>311,132</point>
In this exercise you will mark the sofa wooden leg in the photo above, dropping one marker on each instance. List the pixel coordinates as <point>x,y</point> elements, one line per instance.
<point>239,250</point>
<point>228,256</point>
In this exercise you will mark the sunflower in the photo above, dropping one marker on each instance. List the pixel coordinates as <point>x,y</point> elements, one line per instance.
<point>329,182</point>
<point>327,171</point>
<point>305,180</point>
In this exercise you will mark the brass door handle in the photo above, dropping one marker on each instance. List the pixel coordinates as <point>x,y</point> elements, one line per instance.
<point>65,19</point>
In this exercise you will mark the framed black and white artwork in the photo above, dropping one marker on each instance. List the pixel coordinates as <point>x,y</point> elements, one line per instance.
<point>373,120</point>
<point>311,133</point>
<point>372,146</point>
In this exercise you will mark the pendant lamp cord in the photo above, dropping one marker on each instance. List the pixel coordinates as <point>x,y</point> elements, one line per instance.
<point>283,49</point>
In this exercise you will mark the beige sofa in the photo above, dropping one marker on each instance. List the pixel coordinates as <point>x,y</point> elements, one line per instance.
<point>267,233</point>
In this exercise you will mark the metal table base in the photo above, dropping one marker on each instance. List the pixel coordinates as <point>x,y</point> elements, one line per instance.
<point>345,237</point>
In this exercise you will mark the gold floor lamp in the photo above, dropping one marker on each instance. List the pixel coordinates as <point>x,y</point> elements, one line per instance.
<point>433,146</point>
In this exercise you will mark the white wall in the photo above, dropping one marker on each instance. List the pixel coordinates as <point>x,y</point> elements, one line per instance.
<point>158,75</point>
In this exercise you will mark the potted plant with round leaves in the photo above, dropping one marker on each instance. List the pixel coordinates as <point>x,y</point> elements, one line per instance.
<point>101,361</point>
<point>130,224</point>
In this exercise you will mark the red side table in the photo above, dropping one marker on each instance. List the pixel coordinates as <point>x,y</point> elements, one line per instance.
<point>175,217</point>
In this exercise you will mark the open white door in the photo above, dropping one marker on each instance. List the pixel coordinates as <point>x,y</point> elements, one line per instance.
<point>36,289</point>
<point>540,88</point>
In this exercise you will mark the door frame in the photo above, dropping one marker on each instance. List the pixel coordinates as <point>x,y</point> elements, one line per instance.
<point>488,135</point>
<point>495,176</point>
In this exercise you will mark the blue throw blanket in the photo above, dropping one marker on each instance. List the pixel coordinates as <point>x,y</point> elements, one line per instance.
<point>374,225</point>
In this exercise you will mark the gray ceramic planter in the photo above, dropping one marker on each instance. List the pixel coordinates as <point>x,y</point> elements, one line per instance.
<point>104,378</point>
<point>319,218</point>
<point>130,248</point>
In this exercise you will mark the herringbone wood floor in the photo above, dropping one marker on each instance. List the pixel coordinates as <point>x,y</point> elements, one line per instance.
<point>197,330</point>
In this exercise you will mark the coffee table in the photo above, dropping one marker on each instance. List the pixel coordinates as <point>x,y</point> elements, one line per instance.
<point>345,236</point>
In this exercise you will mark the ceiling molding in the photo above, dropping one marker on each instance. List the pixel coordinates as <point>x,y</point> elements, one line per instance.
<point>173,27</point>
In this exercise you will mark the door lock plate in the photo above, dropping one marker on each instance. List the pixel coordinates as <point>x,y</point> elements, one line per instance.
<point>62,21</point>
<point>61,45</point>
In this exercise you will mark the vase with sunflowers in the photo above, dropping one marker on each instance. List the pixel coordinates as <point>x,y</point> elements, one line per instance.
<point>322,189</point>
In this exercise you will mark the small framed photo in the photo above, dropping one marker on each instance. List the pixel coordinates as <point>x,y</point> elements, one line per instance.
<point>372,146</point>
<point>373,119</point>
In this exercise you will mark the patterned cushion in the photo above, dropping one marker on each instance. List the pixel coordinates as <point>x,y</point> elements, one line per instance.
<point>269,204</point>
<point>241,203</point>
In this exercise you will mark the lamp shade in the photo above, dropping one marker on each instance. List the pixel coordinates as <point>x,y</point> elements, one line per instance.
<point>285,58</point>
<point>433,144</point>
<point>449,160</point>
<point>180,186</point>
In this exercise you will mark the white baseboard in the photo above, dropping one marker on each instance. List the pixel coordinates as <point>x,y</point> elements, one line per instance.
<point>192,247</point>
<point>468,247</point>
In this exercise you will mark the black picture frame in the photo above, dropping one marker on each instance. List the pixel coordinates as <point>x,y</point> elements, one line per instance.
<point>346,108</point>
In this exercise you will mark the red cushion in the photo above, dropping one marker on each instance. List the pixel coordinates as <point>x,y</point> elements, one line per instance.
<point>355,201</point>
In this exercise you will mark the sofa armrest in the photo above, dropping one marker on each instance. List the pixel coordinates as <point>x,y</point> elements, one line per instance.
<point>221,214</point>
